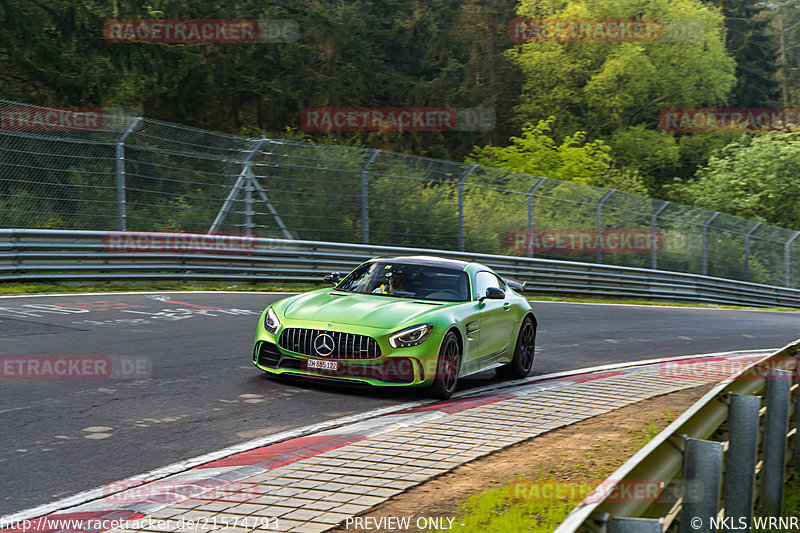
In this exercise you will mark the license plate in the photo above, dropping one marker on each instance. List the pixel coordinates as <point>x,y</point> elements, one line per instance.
<point>325,365</point>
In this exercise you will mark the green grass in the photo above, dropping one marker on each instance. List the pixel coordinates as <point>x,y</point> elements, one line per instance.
<point>629,301</point>
<point>791,503</point>
<point>536,505</point>
<point>654,427</point>
<point>498,510</point>
<point>51,288</point>
<point>791,497</point>
<point>531,504</point>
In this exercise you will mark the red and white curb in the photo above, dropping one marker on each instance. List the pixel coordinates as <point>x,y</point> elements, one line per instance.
<point>225,470</point>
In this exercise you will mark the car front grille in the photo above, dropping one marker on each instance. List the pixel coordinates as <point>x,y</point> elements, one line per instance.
<point>345,345</point>
<point>267,354</point>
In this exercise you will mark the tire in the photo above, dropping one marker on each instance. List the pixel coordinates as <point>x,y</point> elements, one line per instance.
<point>520,366</point>
<point>447,367</point>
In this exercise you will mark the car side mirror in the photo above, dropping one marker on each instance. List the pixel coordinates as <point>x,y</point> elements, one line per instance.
<point>493,293</point>
<point>333,278</point>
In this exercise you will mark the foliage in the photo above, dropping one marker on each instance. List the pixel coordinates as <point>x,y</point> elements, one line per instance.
<point>754,177</point>
<point>749,43</point>
<point>574,159</point>
<point>601,87</point>
<point>784,16</point>
<point>647,151</point>
<point>495,510</point>
<point>387,53</point>
<point>695,149</point>
<point>616,90</point>
<point>582,112</point>
<point>411,211</point>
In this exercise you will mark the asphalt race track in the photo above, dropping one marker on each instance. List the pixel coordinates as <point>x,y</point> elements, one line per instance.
<point>175,378</point>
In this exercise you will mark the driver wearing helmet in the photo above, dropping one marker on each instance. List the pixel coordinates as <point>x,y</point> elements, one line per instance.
<point>393,283</point>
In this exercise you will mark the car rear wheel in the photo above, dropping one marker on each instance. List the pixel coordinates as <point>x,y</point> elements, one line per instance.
<point>520,366</point>
<point>449,362</point>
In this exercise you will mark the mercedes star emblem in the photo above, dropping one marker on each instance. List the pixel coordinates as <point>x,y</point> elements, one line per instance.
<point>323,344</point>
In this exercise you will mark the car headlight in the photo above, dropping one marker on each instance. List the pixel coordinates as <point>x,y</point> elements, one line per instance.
<point>412,336</point>
<point>271,322</point>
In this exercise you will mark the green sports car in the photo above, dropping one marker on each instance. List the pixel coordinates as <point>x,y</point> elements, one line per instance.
<point>401,321</point>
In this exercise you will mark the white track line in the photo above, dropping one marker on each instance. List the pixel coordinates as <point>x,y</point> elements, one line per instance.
<point>142,292</point>
<point>672,306</point>
<point>102,491</point>
<point>292,293</point>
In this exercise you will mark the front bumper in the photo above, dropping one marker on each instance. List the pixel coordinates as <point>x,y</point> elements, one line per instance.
<point>413,366</point>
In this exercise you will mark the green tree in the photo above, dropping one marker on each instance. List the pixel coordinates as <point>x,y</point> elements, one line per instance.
<point>652,153</point>
<point>601,87</point>
<point>365,53</point>
<point>753,177</point>
<point>608,88</point>
<point>785,25</point>
<point>574,159</point>
<point>755,51</point>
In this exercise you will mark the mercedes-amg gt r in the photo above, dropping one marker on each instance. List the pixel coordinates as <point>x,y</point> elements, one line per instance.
<point>401,321</point>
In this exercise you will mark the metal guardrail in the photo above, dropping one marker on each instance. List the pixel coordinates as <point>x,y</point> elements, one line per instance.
<point>727,455</point>
<point>131,173</point>
<point>56,255</point>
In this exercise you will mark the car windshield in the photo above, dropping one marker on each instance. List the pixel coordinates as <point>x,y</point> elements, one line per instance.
<point>404,280</point>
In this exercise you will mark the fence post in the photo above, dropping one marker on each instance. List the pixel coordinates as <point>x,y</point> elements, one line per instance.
<point>653,226</point>
<point>271,208</point>
<point>249,229</point>
<point>365,198</point>
<point>600,203</point>
<point>740,473</point>
<point>777,419</point>
<point>122,216</point>
<point>796,456</point>
<point>461,180</point>
<point>243,181</point>
<point>747,250</point>
<point>705,242</point>
<point>702,468</point>
<point>530,215</point>
<point>787,257</point>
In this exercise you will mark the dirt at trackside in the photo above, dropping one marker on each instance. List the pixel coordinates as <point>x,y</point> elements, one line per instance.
<point>593,448</point>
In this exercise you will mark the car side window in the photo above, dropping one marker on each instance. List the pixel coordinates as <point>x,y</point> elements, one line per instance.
<point>484,280</point>
<point>357,281</point>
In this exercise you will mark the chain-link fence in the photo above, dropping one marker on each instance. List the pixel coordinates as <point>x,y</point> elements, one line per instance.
<point>101,170</point>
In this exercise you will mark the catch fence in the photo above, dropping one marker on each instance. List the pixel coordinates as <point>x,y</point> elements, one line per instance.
<point>106,170</point>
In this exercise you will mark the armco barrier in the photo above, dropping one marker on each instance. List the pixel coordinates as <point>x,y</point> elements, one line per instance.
<point>56,255</point>
<point>132,173</point>
<point>727,456</point>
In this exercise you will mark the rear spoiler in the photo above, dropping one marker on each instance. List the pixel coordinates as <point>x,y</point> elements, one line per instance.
<point>517,285</point>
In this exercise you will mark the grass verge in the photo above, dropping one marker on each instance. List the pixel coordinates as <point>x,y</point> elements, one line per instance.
<point>145,286</point>
<point>540,503</point>
<point>627,301</point>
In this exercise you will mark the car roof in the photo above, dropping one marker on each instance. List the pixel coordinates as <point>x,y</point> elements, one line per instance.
<point>427,260</point>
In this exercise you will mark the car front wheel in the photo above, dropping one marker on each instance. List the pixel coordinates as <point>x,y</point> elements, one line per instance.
<point>447,367</point>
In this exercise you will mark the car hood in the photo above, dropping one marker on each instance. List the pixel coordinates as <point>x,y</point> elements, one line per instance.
<point>359,309</point>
